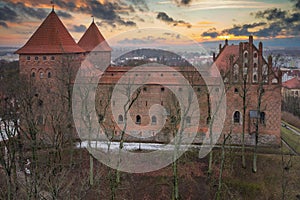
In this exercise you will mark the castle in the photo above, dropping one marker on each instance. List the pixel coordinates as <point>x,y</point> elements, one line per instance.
<point>51,58</point>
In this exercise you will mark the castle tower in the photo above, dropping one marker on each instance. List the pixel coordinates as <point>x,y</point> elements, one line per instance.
<point>49,61</point>
<point>43,53</point>
<point>93,40</point>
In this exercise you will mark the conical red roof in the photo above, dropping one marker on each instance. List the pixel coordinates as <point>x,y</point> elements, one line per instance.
<point>51,37</point>
<point>93,38</point>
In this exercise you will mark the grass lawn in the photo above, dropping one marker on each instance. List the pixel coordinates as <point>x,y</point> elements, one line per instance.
<point>291,138</point>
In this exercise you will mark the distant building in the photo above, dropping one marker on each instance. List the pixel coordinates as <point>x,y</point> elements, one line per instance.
<point>51,58</point>
<point>291,88</point>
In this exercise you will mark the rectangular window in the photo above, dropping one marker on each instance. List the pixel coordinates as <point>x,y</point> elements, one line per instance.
<point>44,57</point>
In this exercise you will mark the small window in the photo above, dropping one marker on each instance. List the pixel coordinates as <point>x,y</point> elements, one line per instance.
<point>246,55</point>
<point>28,57</point>
<point>162,89</point>
<point>120,119</point>
<point>216,89</point>
<point>254,78</point>
<point>180,89</point>
<point>44,57</point>
<point>236,117</point>
<point>40,120</point>
<point>41,75</point>
<point>49,75</point>
<point>236,91</point>
<point>52,58</point>
<point>100,118</point>
<point>153,120</point>
<point>136,75</point>
<point>138,119</point>
<point>188,120</point>
<point>145,89</point>
<point>33,74</point>
<point>255,55</point>
<point>199,89</point>
<point>161,75</point>
<point>112,74</point>
<point>262,118</point>
<point>162,103</point>
<point>208,120</point>
<point>36,58</point>
<point>40,102</point>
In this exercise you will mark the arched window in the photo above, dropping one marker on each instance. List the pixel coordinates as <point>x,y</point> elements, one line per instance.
<point>138,119</point>
<point>236,117</point>
<point>33,74</point>
<point>235,73</point>
<point>153,120</point>
<point>188,120</point>
<point>255,55</point>
<point>120,119</point>
<point>262,118</point>
<point>41,75</point>
<point>265,73</point>
<point>49,75</point>
<point>255,70</point>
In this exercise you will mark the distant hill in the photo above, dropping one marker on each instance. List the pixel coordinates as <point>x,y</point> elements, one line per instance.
<point>143,56</point>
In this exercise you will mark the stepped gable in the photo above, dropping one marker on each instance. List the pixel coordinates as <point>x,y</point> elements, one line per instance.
<point>223,59</point>
<point>92,38</point>
<point>51,37</point>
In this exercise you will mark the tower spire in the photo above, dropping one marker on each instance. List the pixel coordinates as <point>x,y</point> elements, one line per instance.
<point>52,3</point>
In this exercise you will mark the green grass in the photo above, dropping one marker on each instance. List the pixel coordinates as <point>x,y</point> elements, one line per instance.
<point>297,129</point>
<point>291,138</point>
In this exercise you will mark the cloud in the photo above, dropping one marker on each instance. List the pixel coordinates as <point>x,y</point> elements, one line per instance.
<point>242,30</point>
<point>166,18</point>
<point>64,14</point>
<point>18,12</point>
<point>297,4</point>
<point>272,22</point>
<point>79,29</point>
<point>3,24</point>
<point>271,14</point>
<point>144,40</point>
<point>183,2</point>
<point>140,4</point>
<point>8,14</point>
<point>173,35</point>
<point>212,32</point>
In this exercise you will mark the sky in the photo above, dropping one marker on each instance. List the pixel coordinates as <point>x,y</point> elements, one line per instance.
<point>199,20</point>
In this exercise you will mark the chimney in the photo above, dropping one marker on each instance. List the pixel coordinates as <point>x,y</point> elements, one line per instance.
<point>260,48</point>
<point>250,39</point>
<point>270,61</point>
<point>214,56</point>
<point>226,42</point>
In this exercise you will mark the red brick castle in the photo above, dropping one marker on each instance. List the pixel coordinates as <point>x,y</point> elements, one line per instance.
<point>51,58</point>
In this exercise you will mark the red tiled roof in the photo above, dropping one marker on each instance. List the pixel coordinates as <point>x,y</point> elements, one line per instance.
<point>51,37</point>
<point>93,38</point>
<point>223,61</point>
<point>293,83</point>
